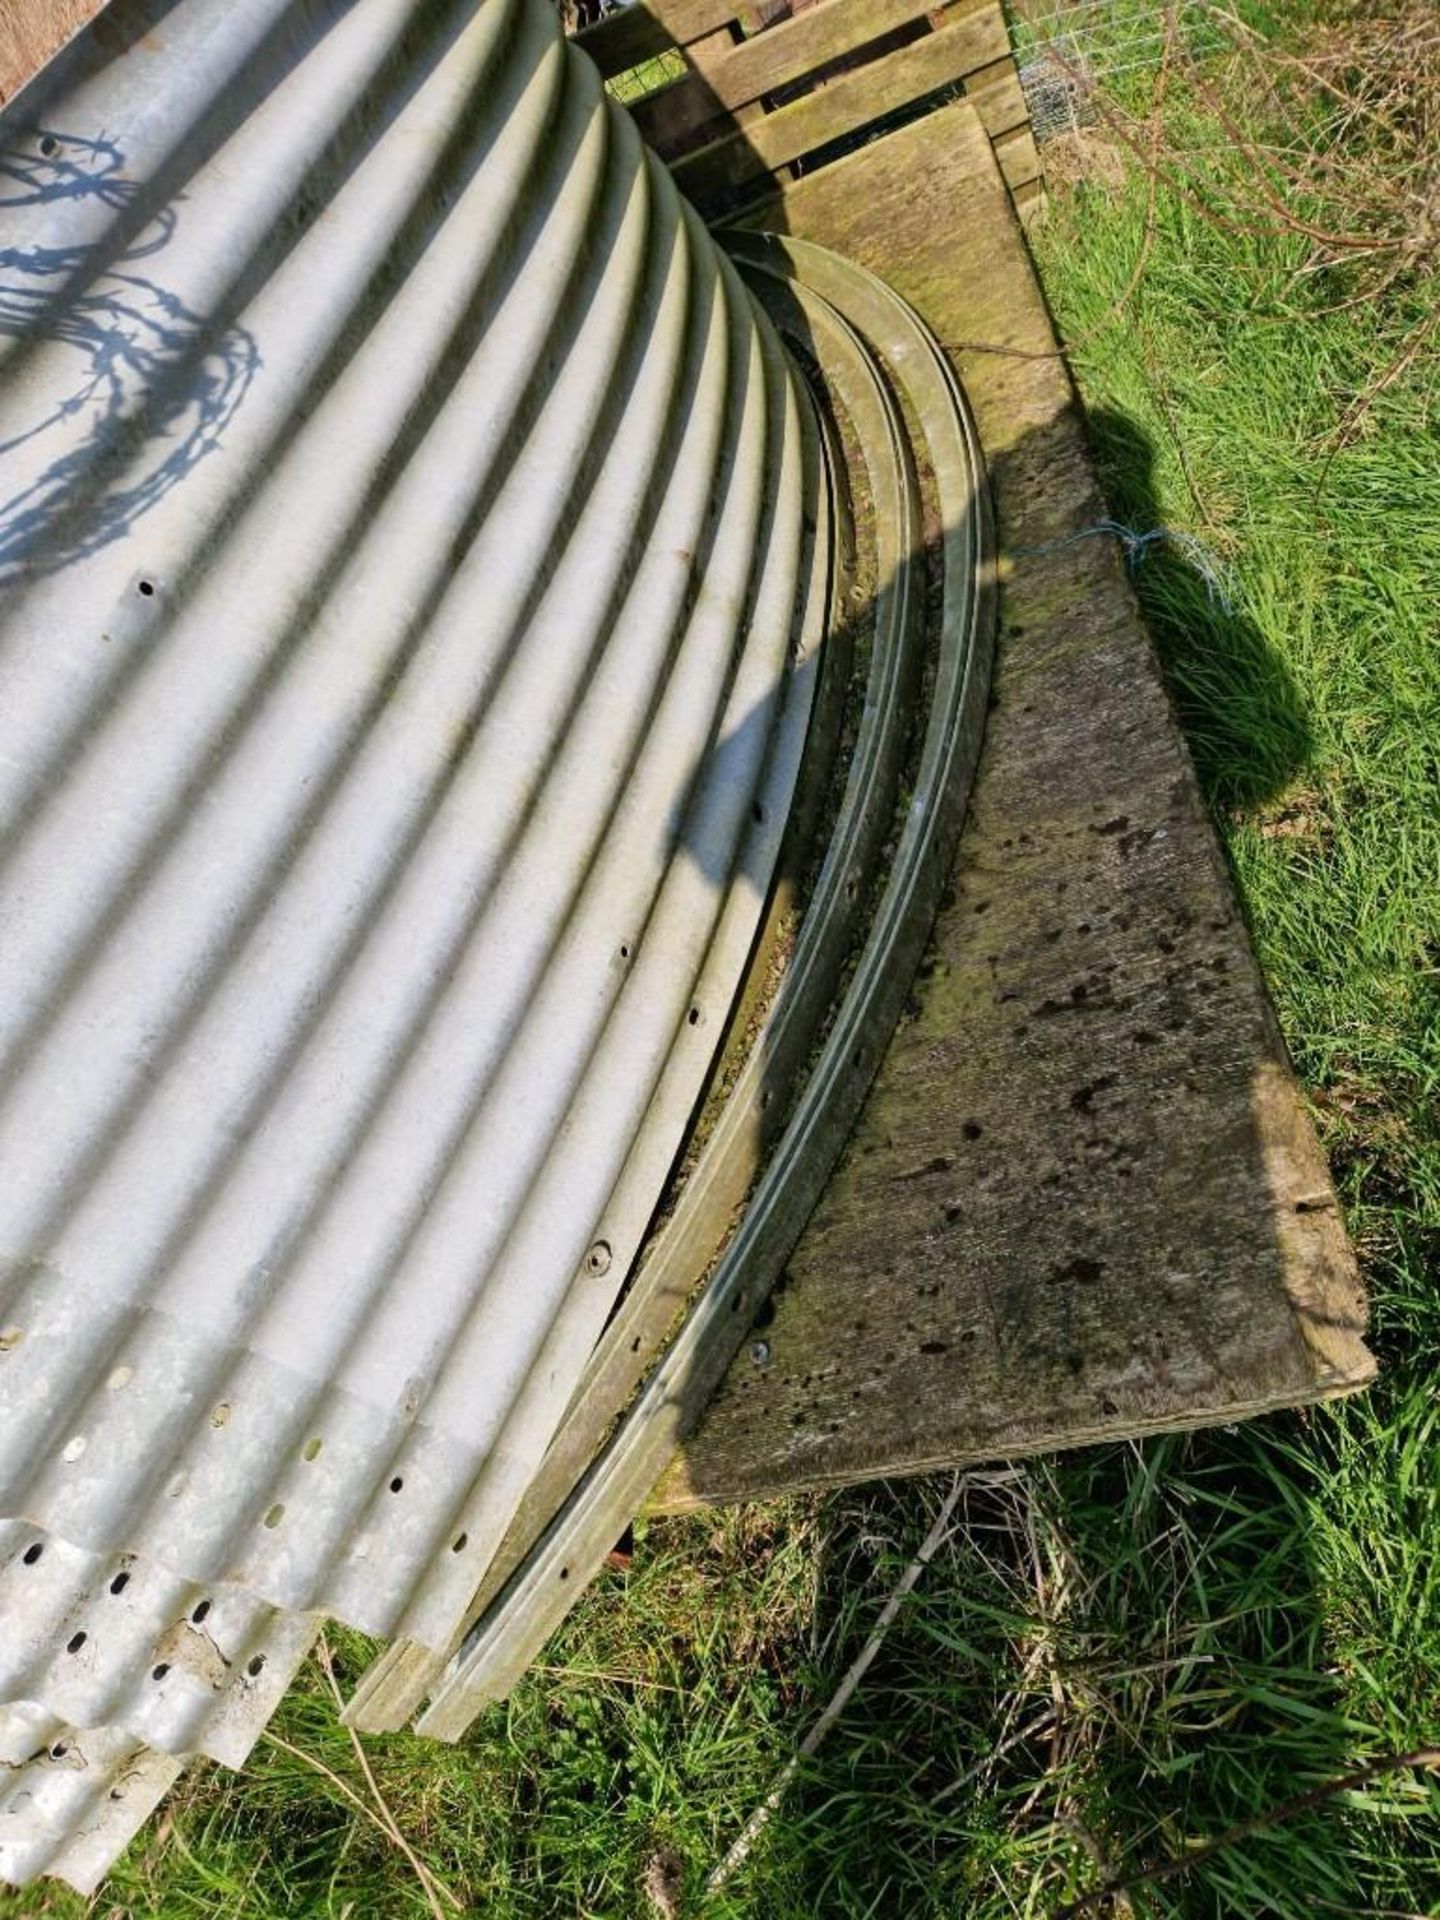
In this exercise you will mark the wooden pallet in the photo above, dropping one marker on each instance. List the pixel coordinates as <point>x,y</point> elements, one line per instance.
<point>780,89</point>
<point>1084,1200</point>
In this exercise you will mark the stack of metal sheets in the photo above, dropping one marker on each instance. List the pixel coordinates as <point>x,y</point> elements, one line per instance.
<point>417,552</point>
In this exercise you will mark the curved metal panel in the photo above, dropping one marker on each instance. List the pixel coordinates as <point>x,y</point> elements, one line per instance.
<point>72,1799</point>
<point>409,754</point>
<point>545,1586</point>
<point>414,557</point>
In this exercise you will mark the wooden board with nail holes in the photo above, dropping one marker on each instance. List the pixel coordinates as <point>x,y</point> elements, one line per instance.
<point>1084,1200</point>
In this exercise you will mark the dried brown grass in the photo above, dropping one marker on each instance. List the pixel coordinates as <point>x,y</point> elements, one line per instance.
<point>1331,138</point>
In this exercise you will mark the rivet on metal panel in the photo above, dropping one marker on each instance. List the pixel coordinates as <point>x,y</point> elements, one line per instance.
<point>597,1261</point>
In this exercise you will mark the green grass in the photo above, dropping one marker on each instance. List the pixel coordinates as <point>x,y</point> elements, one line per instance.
<point>1127,1650</point>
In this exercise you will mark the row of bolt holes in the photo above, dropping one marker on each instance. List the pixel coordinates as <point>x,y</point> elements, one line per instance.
<point>220,1417</point>
<point>254,1666</point>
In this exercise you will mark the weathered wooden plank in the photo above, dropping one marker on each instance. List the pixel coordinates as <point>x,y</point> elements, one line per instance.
<point>779,56</point>
<point>1028,196</point>
<point>1019,157</point>
<point>1084,1200</point>
<point>637,33</point>
<point>853,100</point>
<point>998,98</point>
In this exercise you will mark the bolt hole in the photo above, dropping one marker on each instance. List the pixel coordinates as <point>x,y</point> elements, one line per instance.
<point>624,950</point>
<point>59,1750</point>
<point>117,1793</point>
<point>119,1583</point>
<point>255,1664</point>
<point>694,1016</point>
<point>564,1573</point>
<point>75,1642</point>
<point>312,1449</point>
<point>635,1344</point>
<point>758,814</point>
<point>32,1554</point>
<point>159,1673</point>
<point>49,145</point>
<point>459,1543</point>
<point>147,587</point>
<point>200,1612</point>
<point>275,1515</point>
<point>396,1484</point>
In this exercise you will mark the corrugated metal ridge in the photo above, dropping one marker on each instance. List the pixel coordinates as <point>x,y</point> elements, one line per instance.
<point>410,753</point>
<point>545,1587</point>
<point>102,1640</point>
<point>72,1799</point>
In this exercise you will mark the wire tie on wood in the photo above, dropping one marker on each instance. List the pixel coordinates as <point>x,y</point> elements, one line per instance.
<point>1136,545</point>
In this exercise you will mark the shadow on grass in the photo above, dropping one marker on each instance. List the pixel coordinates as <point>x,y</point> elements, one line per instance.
<point>1237,702</point>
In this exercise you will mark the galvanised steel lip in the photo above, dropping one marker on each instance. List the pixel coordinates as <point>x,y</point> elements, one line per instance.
<point>502,1643</point>
<point>397,1683</point>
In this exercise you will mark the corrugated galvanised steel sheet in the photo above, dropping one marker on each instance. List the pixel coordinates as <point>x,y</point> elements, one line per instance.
<point>112,1640</point>
<point>414,560</point>
<point>375,787</point>
<point>847,317</point>
<point>72,1799</point>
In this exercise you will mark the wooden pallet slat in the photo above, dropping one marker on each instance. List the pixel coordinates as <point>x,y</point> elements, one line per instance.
<point>641,32</point>
<point>726,77</point>
<point>971,41</point>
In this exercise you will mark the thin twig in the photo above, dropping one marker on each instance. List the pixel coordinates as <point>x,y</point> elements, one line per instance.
<point>740,1849</point>
<point>341,1787</point>
<point>1159,1870</point>
<point>433,1887</point>
<point>987,1761</point>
